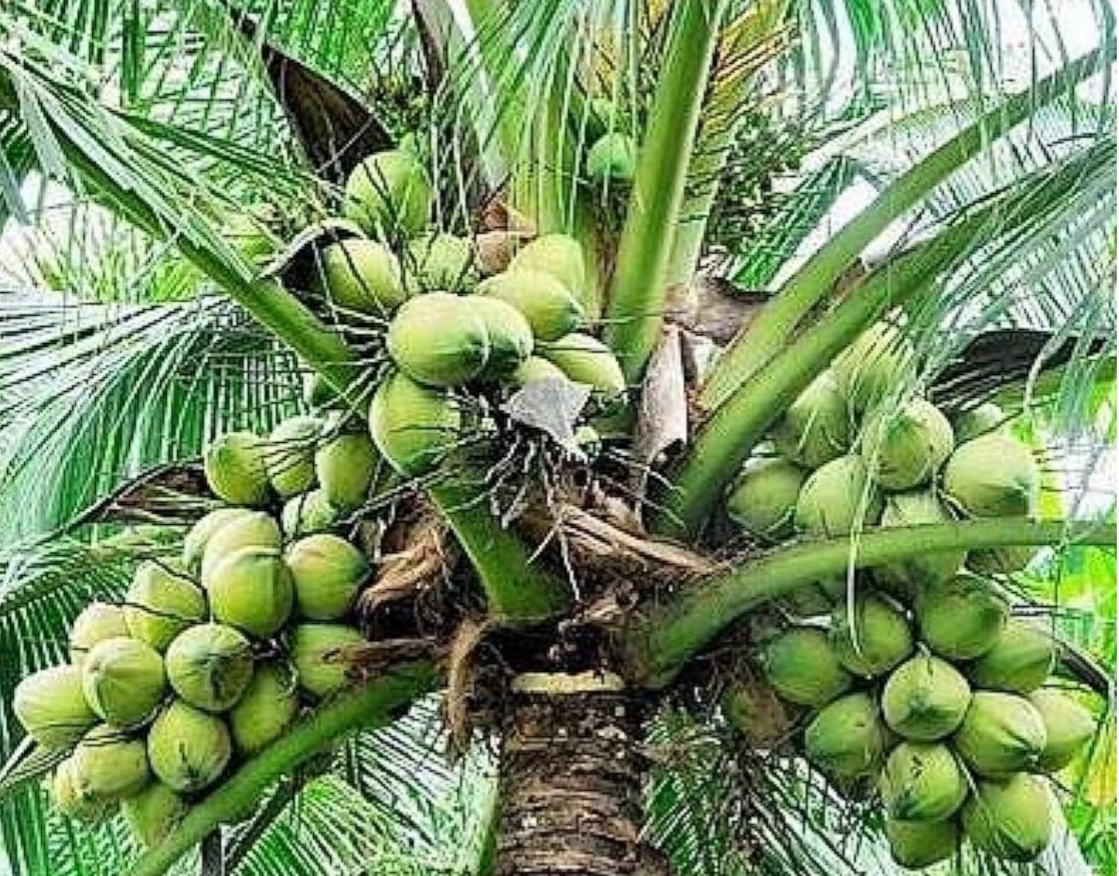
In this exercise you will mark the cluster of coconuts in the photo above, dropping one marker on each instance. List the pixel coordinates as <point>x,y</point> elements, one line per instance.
<point>211,655</point>
<point>922,685</point>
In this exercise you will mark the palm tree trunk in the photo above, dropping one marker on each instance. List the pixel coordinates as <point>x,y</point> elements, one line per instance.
<point>571,781</point>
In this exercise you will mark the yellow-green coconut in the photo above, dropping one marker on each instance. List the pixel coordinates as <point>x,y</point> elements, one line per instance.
<point>1010,819</point>
<point>110,764</point>
<point>871,635</point>
<point>266,709</point>
<point>439,340</point>
<point>389,193</point>
<point>763,498</point>
<point>412,425</point>
<point>551,309</point>
<point>327,572</point>
<point>188,748</point>
<point>209,666</point>
<point>922,781</point>
<point>51,706</point>
<point>362,276</point>
<point>319,652</point>
<point>816,427</point>
<point>838,497</point>
<point>925,698</point>
<point>961,618</point>
<point>123,681</point>
<point>251,589</point>
<point>847,738</point>
<point>1019,661</point>
<point>162,602</point>
<point>345,467</point>
<point>290,455</point>
<point>95,623</point>
<point>803,667</point>
<point>236,470</point>
<point>905,449</point>
<point>1001,734</point>
<point>1068,727</point>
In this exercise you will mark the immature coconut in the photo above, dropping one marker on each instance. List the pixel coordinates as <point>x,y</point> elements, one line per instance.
<point>584,359</point>
<point>919,844</point>
<point>921,568</point>
<point>1068,728</point>
<point>440,263</point>
<point>389,193</point>
<point>161,602</point>
<point>1001,733</point>
<point>345,466</point>
<point>123,681</point>
<point>307,513</point>
<point>109,764</point>
<point>439,340</point>
<point>71,800</point>
<point>235,468</point>
<point>319,654</point>
<point>803,667</point>
<point>837,497</point>
<point>1010,819</point>
<point>560,256</point>
<point>194,545</point>
<point>269,705</point>
<point>925,698</point>
<point>1020,660</point>
<point>362,275</point>
<point>209,666</point>
<point>816,428</point>
<point>153,813</point>
<point>847,737</point>
<point>922,781</point>
<point>412,425</point>
<point>254,529</point>
<point>868,369</point>
<point>961,618</point>
<point>551,309</point>
<point>95,623</point>
<point>51,706</point>
<point>251,589</point>
<point>993,475</point>
<point>290,455</point>
<point>613,157</point>
<point>987,417</point>
<point>509,333</point>
<point>905,449</point>
<point>763,498</point>
<point>188,748</point>
<point>535,368</point>
<point>327,572</point>
<point>872,636</point>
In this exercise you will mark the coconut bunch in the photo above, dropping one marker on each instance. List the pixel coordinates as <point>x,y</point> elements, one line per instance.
<point>213,654</point>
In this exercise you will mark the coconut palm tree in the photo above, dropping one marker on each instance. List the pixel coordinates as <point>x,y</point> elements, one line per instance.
<point>557,632</point>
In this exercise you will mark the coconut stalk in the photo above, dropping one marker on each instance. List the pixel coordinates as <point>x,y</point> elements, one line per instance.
<point>678,629</point>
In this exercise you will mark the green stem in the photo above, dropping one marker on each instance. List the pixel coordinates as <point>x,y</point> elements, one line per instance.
<point>679,629</point>
<point>636,302</point>
<point>770,331</point>
<point>374,703</point>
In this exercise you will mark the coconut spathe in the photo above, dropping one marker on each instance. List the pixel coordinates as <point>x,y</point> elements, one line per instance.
<point>51,706</point>
<point>188,748</point>
<point>209,666</point>
<point>327,572</point>
<point>1001,734</point>
<point>802,667</point>
<point>161,603</point>
<point>123,681</point>
<point>925,698</point>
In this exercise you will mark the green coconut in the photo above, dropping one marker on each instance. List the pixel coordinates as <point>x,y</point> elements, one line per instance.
<point>439,340</point>
<point>922,781</point>
<point>310,512</point>
<point>161,603</point>
<point>1068,728</point>
<point>925,698</point>
<point>109,764</point>
<point>153,813</point>
<point>987,417</point>
<point>209,666</point>
<point>560,256</point>
<point>961,618</point>
<point>319,654</point>
<point>612,158</point>
<point>601,116</point>
<point>905,449</point>
<point>922,568</point>
<point>389,193</point>
<point>51,706</point>
<point>1011,819</point>
<point>251,589</point>
<point>188,748</point>
<point>836,498</point>
<point>847,737</point>
<point>255,529</point>
<point>802,667</point>
<point>1001,734</point>
<point>871,636</point>
<point>551,309</point>
<point>584,359</point>
<point>535,368</point>
<point>509,333</point>
<point>1019,662</point>
<point>919,844</point>
<point>266,710</point>
<point>328,572</point>
<point>235,468</point>
<point>123,681</point>
<point>412,425</point>
<point>95,623</point>
<point>816,428</point>
<point>290,455</point>
<point>194,545</point>
<point>363,276</point>
<point>73,801</point>
<point>869,368</point>
<point>440,263</point>
<point>346,466</point>
<point>763,498</point>
<point>993,475</point>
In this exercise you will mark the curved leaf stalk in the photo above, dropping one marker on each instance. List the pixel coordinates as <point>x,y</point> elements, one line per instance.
<point>679,629</point>
<point>636,300</point>
<point>370,705</point>
<point>770,331</point>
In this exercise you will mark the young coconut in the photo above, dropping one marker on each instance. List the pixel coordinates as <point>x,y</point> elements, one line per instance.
<point>1000,734</point>
<point>1068,728</point>
<point>587,360</point>
<point>919,844</point>
<point>51,706</point>
<point>802,667</point>
<point>362,275</point>
<point>961,618</point>
<point>816,428</point>
<point>534,368</point>
<point>327,572</point>
<point>251,589</point>
<point>253,529</point>
<point>868,369</point>
<point>1010,819</point>
<point>71,800</point>
<point>109,764</point>
<point>153,813</point>
<point>509,333</point>
<point>925,698</point>
<point>123,681</point>
<point>310,512</point>
<point>560,256</point>
<point>922,781</point>
<point>836,497</point>
<point>188,748</point>
<point>389,193</point>
<point>161,602</point>
<point>209,666</point>
<point>95,623</point>
<point>612,158</point>
<point>412,425</point>
<point>847,737</point>
<point>319,654</point>
<point>438,340</point>
<point>235,468</point>
<point>440,263</point>
<point>987,417</point>
<point>922,568</point>
<point>194,545</point>
<point>345,466</point>
<point>290,455</point>
<point>904,450</point>
<point>763,498</point>
<point>872,637</point>
<point>1019,662</point>
<point>269,705</point>
<point>549,306</point>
